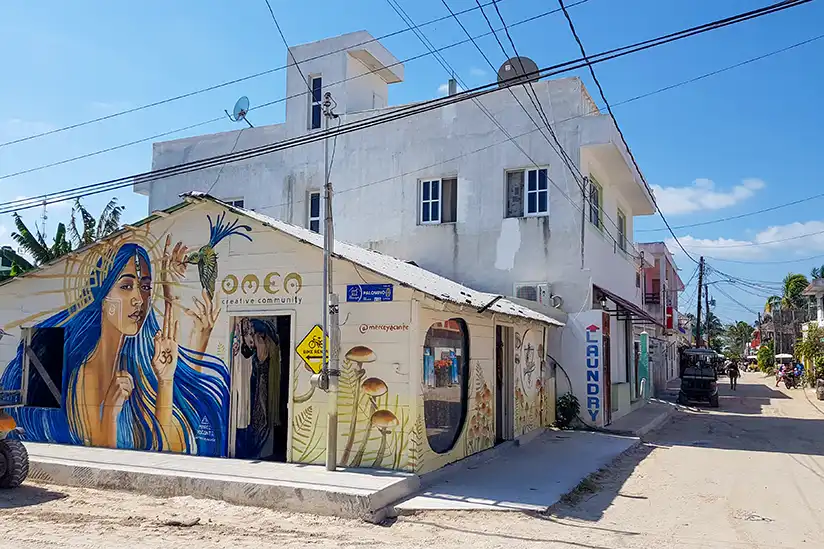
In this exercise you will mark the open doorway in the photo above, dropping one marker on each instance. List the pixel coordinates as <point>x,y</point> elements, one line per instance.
<point>260,386</point>
<point>504,377</point>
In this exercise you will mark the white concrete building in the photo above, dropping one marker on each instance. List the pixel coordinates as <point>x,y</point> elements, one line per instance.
<point>449,191</point>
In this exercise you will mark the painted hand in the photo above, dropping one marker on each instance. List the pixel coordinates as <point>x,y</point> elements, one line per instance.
<point>164,361</point>
<point>172,267</point>
<point>204,317</point>
<point>118,392</point>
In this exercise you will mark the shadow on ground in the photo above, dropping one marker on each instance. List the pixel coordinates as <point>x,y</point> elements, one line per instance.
<point>26,496</point>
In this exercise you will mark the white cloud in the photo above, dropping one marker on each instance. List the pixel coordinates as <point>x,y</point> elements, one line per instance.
<point>475,71</point>
<point>774,242</point>
<point>443,89</point>
<point>702,195</point>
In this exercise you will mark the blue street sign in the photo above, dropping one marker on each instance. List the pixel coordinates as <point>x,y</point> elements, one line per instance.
<point>361,293</point>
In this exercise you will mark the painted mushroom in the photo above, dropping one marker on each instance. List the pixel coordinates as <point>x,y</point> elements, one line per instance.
<point>358,355</point>
<point>375,388</point>
<point>384,421</point>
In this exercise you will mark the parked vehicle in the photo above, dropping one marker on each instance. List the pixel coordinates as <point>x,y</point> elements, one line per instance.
<point>14,460</point>
<point>785,370</point>
<point>699,377</point>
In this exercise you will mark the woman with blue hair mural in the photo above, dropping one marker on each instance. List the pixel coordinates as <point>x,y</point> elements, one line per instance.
<point>127,381</point>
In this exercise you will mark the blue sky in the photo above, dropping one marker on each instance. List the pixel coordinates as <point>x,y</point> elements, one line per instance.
<point>730,144</point>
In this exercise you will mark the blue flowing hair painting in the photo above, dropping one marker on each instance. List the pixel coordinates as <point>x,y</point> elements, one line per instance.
<point>200,395</point>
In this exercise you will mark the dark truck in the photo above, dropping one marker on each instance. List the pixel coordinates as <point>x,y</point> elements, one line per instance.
<point>699,377</point>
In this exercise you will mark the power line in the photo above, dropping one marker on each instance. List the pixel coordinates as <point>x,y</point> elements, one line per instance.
<point>216,86</point>
<point>393,115</point>
<point>285,43</point>
<point>780,262</point>
<point>270,103</point>
<point>752,244</point>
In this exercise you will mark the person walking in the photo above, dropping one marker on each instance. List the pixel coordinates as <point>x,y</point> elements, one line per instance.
<point>733,372</point>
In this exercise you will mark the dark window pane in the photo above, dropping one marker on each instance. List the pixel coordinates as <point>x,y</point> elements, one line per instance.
<point>317,85</point>
<point>315,117</point>
<point>314,225</point>
<point>542,179</point>
<point>425,212</point>
<point>445,376</point>
<point>515,194</point>
<point>531,202</point>
<point>542,206</point>
<point>532,180</point>
<point>48,346</point>
<point>436,188</point>
<point>314,205</point>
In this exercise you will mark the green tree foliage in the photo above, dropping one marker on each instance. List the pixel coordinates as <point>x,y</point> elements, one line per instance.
<point>766,358</point>
<point>793,286</point>
<point>817,272</point>
<point>737,336</point>
<point>90,229</point>
<point>35,245</point>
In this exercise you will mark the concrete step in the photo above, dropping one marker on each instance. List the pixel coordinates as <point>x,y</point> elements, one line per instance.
<point>350,493</point>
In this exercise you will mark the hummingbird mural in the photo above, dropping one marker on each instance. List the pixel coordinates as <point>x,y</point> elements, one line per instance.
<point>206,257</point>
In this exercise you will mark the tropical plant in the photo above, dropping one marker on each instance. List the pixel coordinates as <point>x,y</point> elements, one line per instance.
<point>566,410</point>
<point>738,335</point>
<point>19,264</point>
<point>817,272</point>
<point>34,244</point>
<point>766,358</point>
<point>792,296</point>
<point>94,229</point>
<point>772,304</point>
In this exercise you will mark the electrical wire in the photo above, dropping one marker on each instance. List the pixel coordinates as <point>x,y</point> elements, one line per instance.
<point>217,86</point>
<point>772,9</point>
<point>395,114</point>
<point>780,262</point>
<point>267,104</point>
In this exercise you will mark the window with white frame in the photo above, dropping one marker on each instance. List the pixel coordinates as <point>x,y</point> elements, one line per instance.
<point>438,201</point>
<point>622,231</point>
<point>596,197</point>
<point>236,202</point>
<point>527,193</point>
<point>315,104</point>
<point>314,213</point>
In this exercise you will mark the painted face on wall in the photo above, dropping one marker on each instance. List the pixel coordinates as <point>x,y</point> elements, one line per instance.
<point>126,304</point>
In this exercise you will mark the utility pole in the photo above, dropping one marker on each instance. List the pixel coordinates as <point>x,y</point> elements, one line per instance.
<point>698,314</point>
<point>707,302</point>
<point>331,319</point>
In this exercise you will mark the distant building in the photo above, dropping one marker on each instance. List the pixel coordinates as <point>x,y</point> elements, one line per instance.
<point>447,190</point>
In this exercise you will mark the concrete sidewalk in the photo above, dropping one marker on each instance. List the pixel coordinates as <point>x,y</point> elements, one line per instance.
<point>528,478</point>
<point>349,493</point>
<point>643,420</point>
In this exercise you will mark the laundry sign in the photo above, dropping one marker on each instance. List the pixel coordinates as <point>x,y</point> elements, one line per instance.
<point>593,371</point>
<point>310,349</point>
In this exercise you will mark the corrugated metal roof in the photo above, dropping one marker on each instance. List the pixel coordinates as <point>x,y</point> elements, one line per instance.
<point>396,269</point>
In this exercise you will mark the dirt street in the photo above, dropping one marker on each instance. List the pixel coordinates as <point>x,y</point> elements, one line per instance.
<point>750,475</point>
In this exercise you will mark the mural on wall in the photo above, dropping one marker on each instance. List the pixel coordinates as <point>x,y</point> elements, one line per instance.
<point>369,416</point>
<point>481,422</point>
<point>528,383</point>
<point>127,378</point>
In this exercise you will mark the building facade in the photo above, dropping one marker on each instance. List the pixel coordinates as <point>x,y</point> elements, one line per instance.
<point>449,191</point>
<point>197,331</point>
<point>662,284</point>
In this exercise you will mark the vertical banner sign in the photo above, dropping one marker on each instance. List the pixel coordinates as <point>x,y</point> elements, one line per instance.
<point>643,363</point>
<point>593,357</point>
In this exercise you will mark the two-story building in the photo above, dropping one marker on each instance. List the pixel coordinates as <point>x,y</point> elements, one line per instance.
<point>661,288</point>
<point>450,191</point>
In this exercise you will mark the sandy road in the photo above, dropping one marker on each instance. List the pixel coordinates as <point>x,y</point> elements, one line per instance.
<point>750,475</point>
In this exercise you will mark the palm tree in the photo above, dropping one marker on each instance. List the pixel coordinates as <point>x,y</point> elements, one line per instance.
<point>817,272</point>
<point>94,229</point>
<point>35,244</point>
<point>794,286</point>
<point>738,335</point>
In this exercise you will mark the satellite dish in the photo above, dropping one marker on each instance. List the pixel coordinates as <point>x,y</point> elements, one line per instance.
<point>517,70</point>
<point>240,110</point>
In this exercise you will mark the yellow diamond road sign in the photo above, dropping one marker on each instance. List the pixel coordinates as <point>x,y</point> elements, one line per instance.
<point>311,349</point>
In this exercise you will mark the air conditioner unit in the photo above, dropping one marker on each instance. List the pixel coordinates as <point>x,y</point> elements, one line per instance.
<point>539,292</point>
